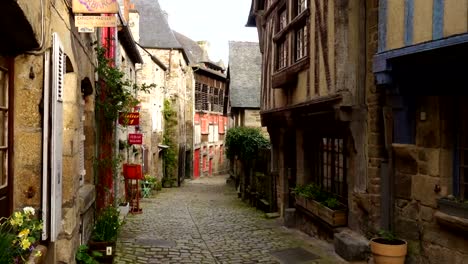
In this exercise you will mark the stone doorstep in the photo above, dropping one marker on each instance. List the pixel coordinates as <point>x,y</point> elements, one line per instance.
<point>350,245</point>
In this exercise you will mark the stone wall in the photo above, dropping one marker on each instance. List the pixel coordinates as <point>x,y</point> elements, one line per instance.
<point>423,174</point>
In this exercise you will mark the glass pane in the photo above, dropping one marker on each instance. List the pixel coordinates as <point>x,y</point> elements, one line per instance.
<point>3,88</point>
<point>3,128</point>
<point>3,171</point>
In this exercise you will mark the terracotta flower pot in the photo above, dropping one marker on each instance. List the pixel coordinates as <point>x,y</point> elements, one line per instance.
<point>386,253</point>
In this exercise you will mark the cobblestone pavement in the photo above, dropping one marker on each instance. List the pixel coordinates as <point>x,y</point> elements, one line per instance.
<point>205,222</point>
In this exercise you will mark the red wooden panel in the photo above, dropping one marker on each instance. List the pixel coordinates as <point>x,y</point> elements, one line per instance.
<point>196,118</point>
<point>204,125</point>
<point>196,164</point>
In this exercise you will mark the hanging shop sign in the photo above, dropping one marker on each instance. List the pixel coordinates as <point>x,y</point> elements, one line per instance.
<point>95,6</point>
<point>95,21</point>
<point>135,139</point>
<point>129,119</point>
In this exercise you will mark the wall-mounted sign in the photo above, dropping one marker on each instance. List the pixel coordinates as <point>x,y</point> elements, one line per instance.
<point>129,119</point>
<point>135,139</point>
<point>95,21</point>
<point>95,6</point>
<point>86,29</point>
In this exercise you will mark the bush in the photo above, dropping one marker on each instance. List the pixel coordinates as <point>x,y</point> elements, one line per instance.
<point>244,142</point>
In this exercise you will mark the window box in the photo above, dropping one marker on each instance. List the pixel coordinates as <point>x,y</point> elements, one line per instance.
<point>453,208</point>
<point>333,217</point>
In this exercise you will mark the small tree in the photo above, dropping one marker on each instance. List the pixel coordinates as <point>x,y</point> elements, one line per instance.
<point>244,142</point>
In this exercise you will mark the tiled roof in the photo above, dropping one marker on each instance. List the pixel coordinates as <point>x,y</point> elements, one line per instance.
<point>154,28</point>
<point>245,64</point>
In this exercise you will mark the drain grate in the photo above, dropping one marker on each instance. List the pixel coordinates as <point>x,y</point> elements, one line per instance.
<point>294,256</point>
<point>155,242</point>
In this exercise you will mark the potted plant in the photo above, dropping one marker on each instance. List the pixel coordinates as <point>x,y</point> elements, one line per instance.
<point>388,249</point>
<point>104,235</point>
<point>84,256</point>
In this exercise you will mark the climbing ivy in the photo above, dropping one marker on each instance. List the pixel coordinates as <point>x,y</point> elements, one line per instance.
<point>114,93</point>
<point>244,142</point>
<point>170,139</point>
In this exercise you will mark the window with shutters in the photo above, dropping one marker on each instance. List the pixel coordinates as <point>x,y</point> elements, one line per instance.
<point>205,102</point>
<point>198,96</point>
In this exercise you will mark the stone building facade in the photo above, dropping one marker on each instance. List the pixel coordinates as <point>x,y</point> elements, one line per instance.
<point>374,82</point>
<point>420,66</point>
<point>44,38</point>
<point>156,38</point>
<point>316,71</point>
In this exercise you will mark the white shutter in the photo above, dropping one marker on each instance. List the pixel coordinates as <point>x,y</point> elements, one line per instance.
<point>58,72</point>
<point>45,149</point>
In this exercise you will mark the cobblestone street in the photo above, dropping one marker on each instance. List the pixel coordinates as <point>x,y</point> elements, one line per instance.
<point>205,222</point>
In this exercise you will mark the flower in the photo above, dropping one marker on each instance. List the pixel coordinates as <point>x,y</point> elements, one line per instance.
<point>29,210</point>
<point>23,233</point>
<point>25,243</point>
<point>38,254</point>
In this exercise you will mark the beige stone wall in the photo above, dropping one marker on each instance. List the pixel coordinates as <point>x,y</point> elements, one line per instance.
<point>423,174</point>
<point>29,72</point>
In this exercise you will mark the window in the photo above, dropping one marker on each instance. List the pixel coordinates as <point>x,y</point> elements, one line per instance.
<point>283,19</point>
<point>198,96</point>
<point>301,43</point>
<point>300,6</point>
<point>461,170</point>
<point>282,54</point>
<point>326,163</point>
<point>204,95</point>
<point>4,184</point>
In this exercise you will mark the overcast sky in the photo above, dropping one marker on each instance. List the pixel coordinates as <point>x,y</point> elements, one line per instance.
<point>216,21</point>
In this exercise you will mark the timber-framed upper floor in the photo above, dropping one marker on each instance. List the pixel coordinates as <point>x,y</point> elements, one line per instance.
<point>311,52</point>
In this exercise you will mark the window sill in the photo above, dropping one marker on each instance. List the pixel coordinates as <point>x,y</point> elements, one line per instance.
<point>453,222</point>
<point>288,75</point>
<point>453,208</point>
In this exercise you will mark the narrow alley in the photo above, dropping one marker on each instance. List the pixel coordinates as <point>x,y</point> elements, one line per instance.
<point>205,222</point>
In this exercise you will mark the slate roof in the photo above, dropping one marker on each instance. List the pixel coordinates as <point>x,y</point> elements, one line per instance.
<point>154,28</point>
<point>193,50</point>
<point>245,64</point>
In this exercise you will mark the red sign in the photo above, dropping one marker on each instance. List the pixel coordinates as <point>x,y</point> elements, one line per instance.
<point>136,139</point>
<point>129,119</point>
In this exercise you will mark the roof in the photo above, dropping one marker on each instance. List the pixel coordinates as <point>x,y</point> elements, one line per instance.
<point>194,51</point>
<point>245,64</point>
<point>154,28</point>
<point>126,38</point>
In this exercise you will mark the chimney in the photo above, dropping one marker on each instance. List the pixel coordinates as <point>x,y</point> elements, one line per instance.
<point>205,46</point>
<point>128,5</point>
<point>166,16</point>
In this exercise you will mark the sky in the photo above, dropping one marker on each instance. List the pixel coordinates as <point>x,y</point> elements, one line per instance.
<point>217,21</point>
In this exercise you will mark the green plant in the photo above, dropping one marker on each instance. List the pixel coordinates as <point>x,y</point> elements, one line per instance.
<point>244,142</point>
<point>332,203</point>
<point>107,225</point>
<point>169,139</point>
<point>314,192</point>
<point>19,235</point>
<point>387,235</point>
<point>83,257</point>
